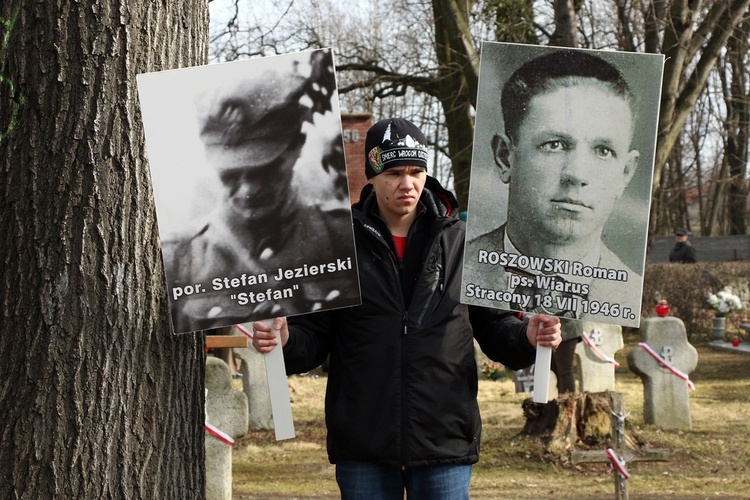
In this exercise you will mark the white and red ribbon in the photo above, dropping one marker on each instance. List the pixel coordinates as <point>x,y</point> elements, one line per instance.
<point>220,435</point>
<point>598,352</point>
<point>666,365</point>
<point>244,330</point>
<point>617,463</point>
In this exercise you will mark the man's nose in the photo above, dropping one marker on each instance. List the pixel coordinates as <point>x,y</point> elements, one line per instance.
<point>578,167</point>
<point>407,182</point>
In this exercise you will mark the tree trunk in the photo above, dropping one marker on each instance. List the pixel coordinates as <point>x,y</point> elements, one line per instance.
<point>574,420</point>
<point>456,87</point>
<point>98,399</point>
<point>514,20</point>
<point>566,24</point>
<point>738,133</point>
<point>625,39</point>
<point>653,19</point>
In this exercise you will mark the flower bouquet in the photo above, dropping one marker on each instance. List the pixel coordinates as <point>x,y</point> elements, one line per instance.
<point>724,302</point>
<point>493,371</point>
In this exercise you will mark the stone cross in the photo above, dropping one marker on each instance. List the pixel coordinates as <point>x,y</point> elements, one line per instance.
<point>596,374</point>
<point>666,399</point>
<point>255,387</point>
<point>226,409</point>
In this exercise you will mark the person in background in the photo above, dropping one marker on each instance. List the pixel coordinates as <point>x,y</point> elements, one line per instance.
<point>683,250</point>
<point>401,401</point>
<point>563,356</point>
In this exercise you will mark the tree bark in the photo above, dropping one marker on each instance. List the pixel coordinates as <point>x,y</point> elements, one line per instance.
<point>566,24</point>
<point>98,399</point>
<point>575,420</point>
<point>738,131</point>
<point>456,86</point>
<point>514,20</point>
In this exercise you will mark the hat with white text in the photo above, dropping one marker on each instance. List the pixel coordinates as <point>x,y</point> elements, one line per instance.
<point>394,142</point>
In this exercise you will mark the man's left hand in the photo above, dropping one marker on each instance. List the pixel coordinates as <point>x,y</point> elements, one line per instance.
<point>544,330</point>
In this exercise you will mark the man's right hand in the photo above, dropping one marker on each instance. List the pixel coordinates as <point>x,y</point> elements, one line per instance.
<point>264,336</point>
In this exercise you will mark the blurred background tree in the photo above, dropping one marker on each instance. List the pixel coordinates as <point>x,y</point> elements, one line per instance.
<point>420,60</point>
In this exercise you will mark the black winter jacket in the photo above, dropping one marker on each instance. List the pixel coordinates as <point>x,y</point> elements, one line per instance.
<point>402,382</point>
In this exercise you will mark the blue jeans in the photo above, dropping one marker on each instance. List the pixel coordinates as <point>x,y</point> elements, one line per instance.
<point>373,481</point>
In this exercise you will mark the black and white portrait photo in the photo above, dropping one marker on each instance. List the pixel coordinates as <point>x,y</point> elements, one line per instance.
<point>561,180</point>
<point>249,178</point>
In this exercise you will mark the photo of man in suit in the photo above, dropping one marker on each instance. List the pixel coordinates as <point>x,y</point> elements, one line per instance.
<point>566,154</point>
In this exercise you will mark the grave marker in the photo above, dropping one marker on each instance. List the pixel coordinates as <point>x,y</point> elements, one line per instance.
<point>255,386</point>
<point>618,452</point>
<point>595,372</point>
<point>526,378</point>
<point>666,400</point>
<point>226,410</point>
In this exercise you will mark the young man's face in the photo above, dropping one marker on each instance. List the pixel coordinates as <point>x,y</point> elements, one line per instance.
<point>571,162</point>
<point>398,190</point>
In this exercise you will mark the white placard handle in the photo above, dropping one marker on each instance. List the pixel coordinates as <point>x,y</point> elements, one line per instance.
<point>281,408</point>
<point>541,373</point>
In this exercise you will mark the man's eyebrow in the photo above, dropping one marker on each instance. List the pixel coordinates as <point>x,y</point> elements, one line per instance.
<point>548,134</point>
<point>608,142</point>
<point>409,169</point>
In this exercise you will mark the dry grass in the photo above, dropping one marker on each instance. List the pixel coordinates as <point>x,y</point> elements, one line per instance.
<point>709,461</point>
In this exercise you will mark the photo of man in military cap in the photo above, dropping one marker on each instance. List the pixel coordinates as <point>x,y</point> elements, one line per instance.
<point>269,134</point>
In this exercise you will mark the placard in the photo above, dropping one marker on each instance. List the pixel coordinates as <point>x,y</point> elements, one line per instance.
<point>249,178</point>
<point>561,181</point>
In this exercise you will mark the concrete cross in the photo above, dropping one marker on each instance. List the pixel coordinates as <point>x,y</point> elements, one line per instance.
<point>666,399</point>
<point>597,374</point>
<point>226,409</point>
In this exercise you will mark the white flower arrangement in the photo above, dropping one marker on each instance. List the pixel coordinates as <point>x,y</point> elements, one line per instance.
<point>724,301</point>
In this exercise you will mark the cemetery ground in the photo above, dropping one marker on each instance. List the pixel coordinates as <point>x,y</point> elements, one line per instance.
<point>712,460</point>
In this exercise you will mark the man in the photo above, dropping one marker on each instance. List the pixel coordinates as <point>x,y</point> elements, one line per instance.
<point>683,250</point>
<point>566,156</point>
<point>254,130</point>
<point>401,406</point>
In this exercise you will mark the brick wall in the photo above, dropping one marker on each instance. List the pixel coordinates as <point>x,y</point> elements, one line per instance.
<point>355,127</point>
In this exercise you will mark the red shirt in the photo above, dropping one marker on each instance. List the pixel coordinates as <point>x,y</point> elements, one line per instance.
<point>400,242</point>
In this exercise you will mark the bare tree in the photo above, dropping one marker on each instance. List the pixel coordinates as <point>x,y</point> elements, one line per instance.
<point>436,57</point>
<point>693,38</point>
<point>565,34</point>
<point>98,399</point>
<point>512,20</point>
<point>737,101</point>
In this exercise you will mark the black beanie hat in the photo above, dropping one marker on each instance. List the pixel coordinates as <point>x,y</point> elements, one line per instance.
<point>394,142</point>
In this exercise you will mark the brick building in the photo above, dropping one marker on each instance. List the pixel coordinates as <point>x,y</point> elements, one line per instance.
<point>355,127</point>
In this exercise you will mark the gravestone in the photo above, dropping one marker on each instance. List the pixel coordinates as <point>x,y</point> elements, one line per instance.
<point>226,409</point>
<point>255,387</point>
<point>594,373</point>
<point>666,399</point>
<point>524,382</point>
